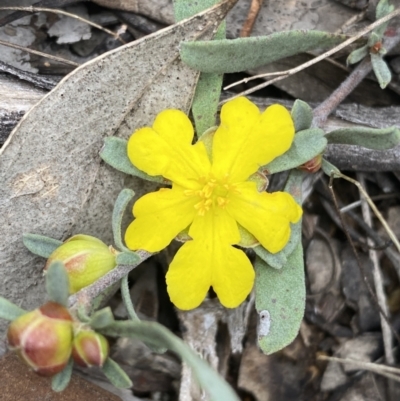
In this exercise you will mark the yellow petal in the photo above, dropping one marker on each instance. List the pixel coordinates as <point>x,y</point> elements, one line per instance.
<point>266,216</point>
<point>247,140</point>
<point>188,277</point>
<point>210,260</point>
<point>160,216</point>
<point>166,150</point>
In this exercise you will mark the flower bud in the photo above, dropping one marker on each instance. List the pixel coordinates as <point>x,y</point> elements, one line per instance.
<point>86,259</point>
<point>43,338</point>
<point>312,166</point>
<point>90,349</point>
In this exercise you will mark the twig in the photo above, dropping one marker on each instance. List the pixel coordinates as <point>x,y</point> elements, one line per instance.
<point>380,293</point>
<point>354,19</point>
<point>62,12</point>
<point>323,56</point>
<point>355,204</point>
<point>49,56</point>
<point>388,371</point>
<point>360,265</point>
<point>378,214</point>
<point>251,18</point>
<point>322,112</point>
<point>87,294</point>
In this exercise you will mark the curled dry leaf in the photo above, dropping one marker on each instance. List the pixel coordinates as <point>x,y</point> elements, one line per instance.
<point>51,177</point>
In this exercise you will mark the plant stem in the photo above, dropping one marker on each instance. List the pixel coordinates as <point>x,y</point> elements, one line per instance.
<point>322,112</point>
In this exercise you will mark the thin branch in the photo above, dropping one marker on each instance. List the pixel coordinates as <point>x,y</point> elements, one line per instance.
<point>87,294</point>
<point>49,56</point>
<point>62,12</point>
<point>378,214</point>
<point>323,56</point>
<point>322,112</point>
<point>387,371</point>
<point>251,18</point>
<point>380,293</point>
<point>360,265</point>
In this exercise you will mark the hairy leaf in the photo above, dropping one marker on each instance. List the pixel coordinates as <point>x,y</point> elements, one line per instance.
<point>280,301</point>
<point>225,56</point>
<point>371,138</point>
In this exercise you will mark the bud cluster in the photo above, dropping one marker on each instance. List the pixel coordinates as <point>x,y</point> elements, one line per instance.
<point>46,338</point>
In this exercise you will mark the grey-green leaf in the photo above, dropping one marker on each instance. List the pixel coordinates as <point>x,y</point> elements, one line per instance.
<point>381,70</point>
<point>306,145</point>
<point>101,319</point>
<point>40,244</point>
<point>115,154</point>
<point>57,283</point>
<point>60,381</point>
<point>278,260</point>
<point>124,197</point>
<point>328,168</point>
<point>302,115</point>
<point>157,335</point>
<point>116,375</point>
<point>383,8</point>
<point>280,301</point>
<point>10,311</point>
<point>357,55</point>
<point>128,258</point>
<point>225,56</point>
<point>371,138</point>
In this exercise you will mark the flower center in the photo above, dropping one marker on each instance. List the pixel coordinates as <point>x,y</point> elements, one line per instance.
<point>213,193</point>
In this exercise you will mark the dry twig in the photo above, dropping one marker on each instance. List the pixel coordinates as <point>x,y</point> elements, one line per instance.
<point>378,282</point>
<point>251,18</point>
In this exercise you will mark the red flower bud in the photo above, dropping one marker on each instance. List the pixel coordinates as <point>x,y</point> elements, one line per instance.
<point>43,338</point>
<point>312,166</point>
<point>90,349</point>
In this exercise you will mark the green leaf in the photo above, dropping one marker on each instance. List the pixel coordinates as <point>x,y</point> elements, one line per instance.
<point>302,115</point>
<point>383,8</point>
<point>114,153</point>
<point>306,145</point>
<point>357,55</point>
<point>208,89</point>
<point>280,301</point>
<point>124,197</point>
<point>60,381</point>
<point>101,319</point>
<point>225,56</point>
<point>40,245</point>
<point>156,335</point>
<point>278,260</point>
<point>371,138</point>
<point>128,258</point>
<point>373,39</point>
<point>10,311</point>
<point>116,375</point>
<point>381,70</point>
<point>57,283</point>
<point>328,167</point>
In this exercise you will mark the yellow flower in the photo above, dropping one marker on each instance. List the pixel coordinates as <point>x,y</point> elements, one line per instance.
<point>211,196</point>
